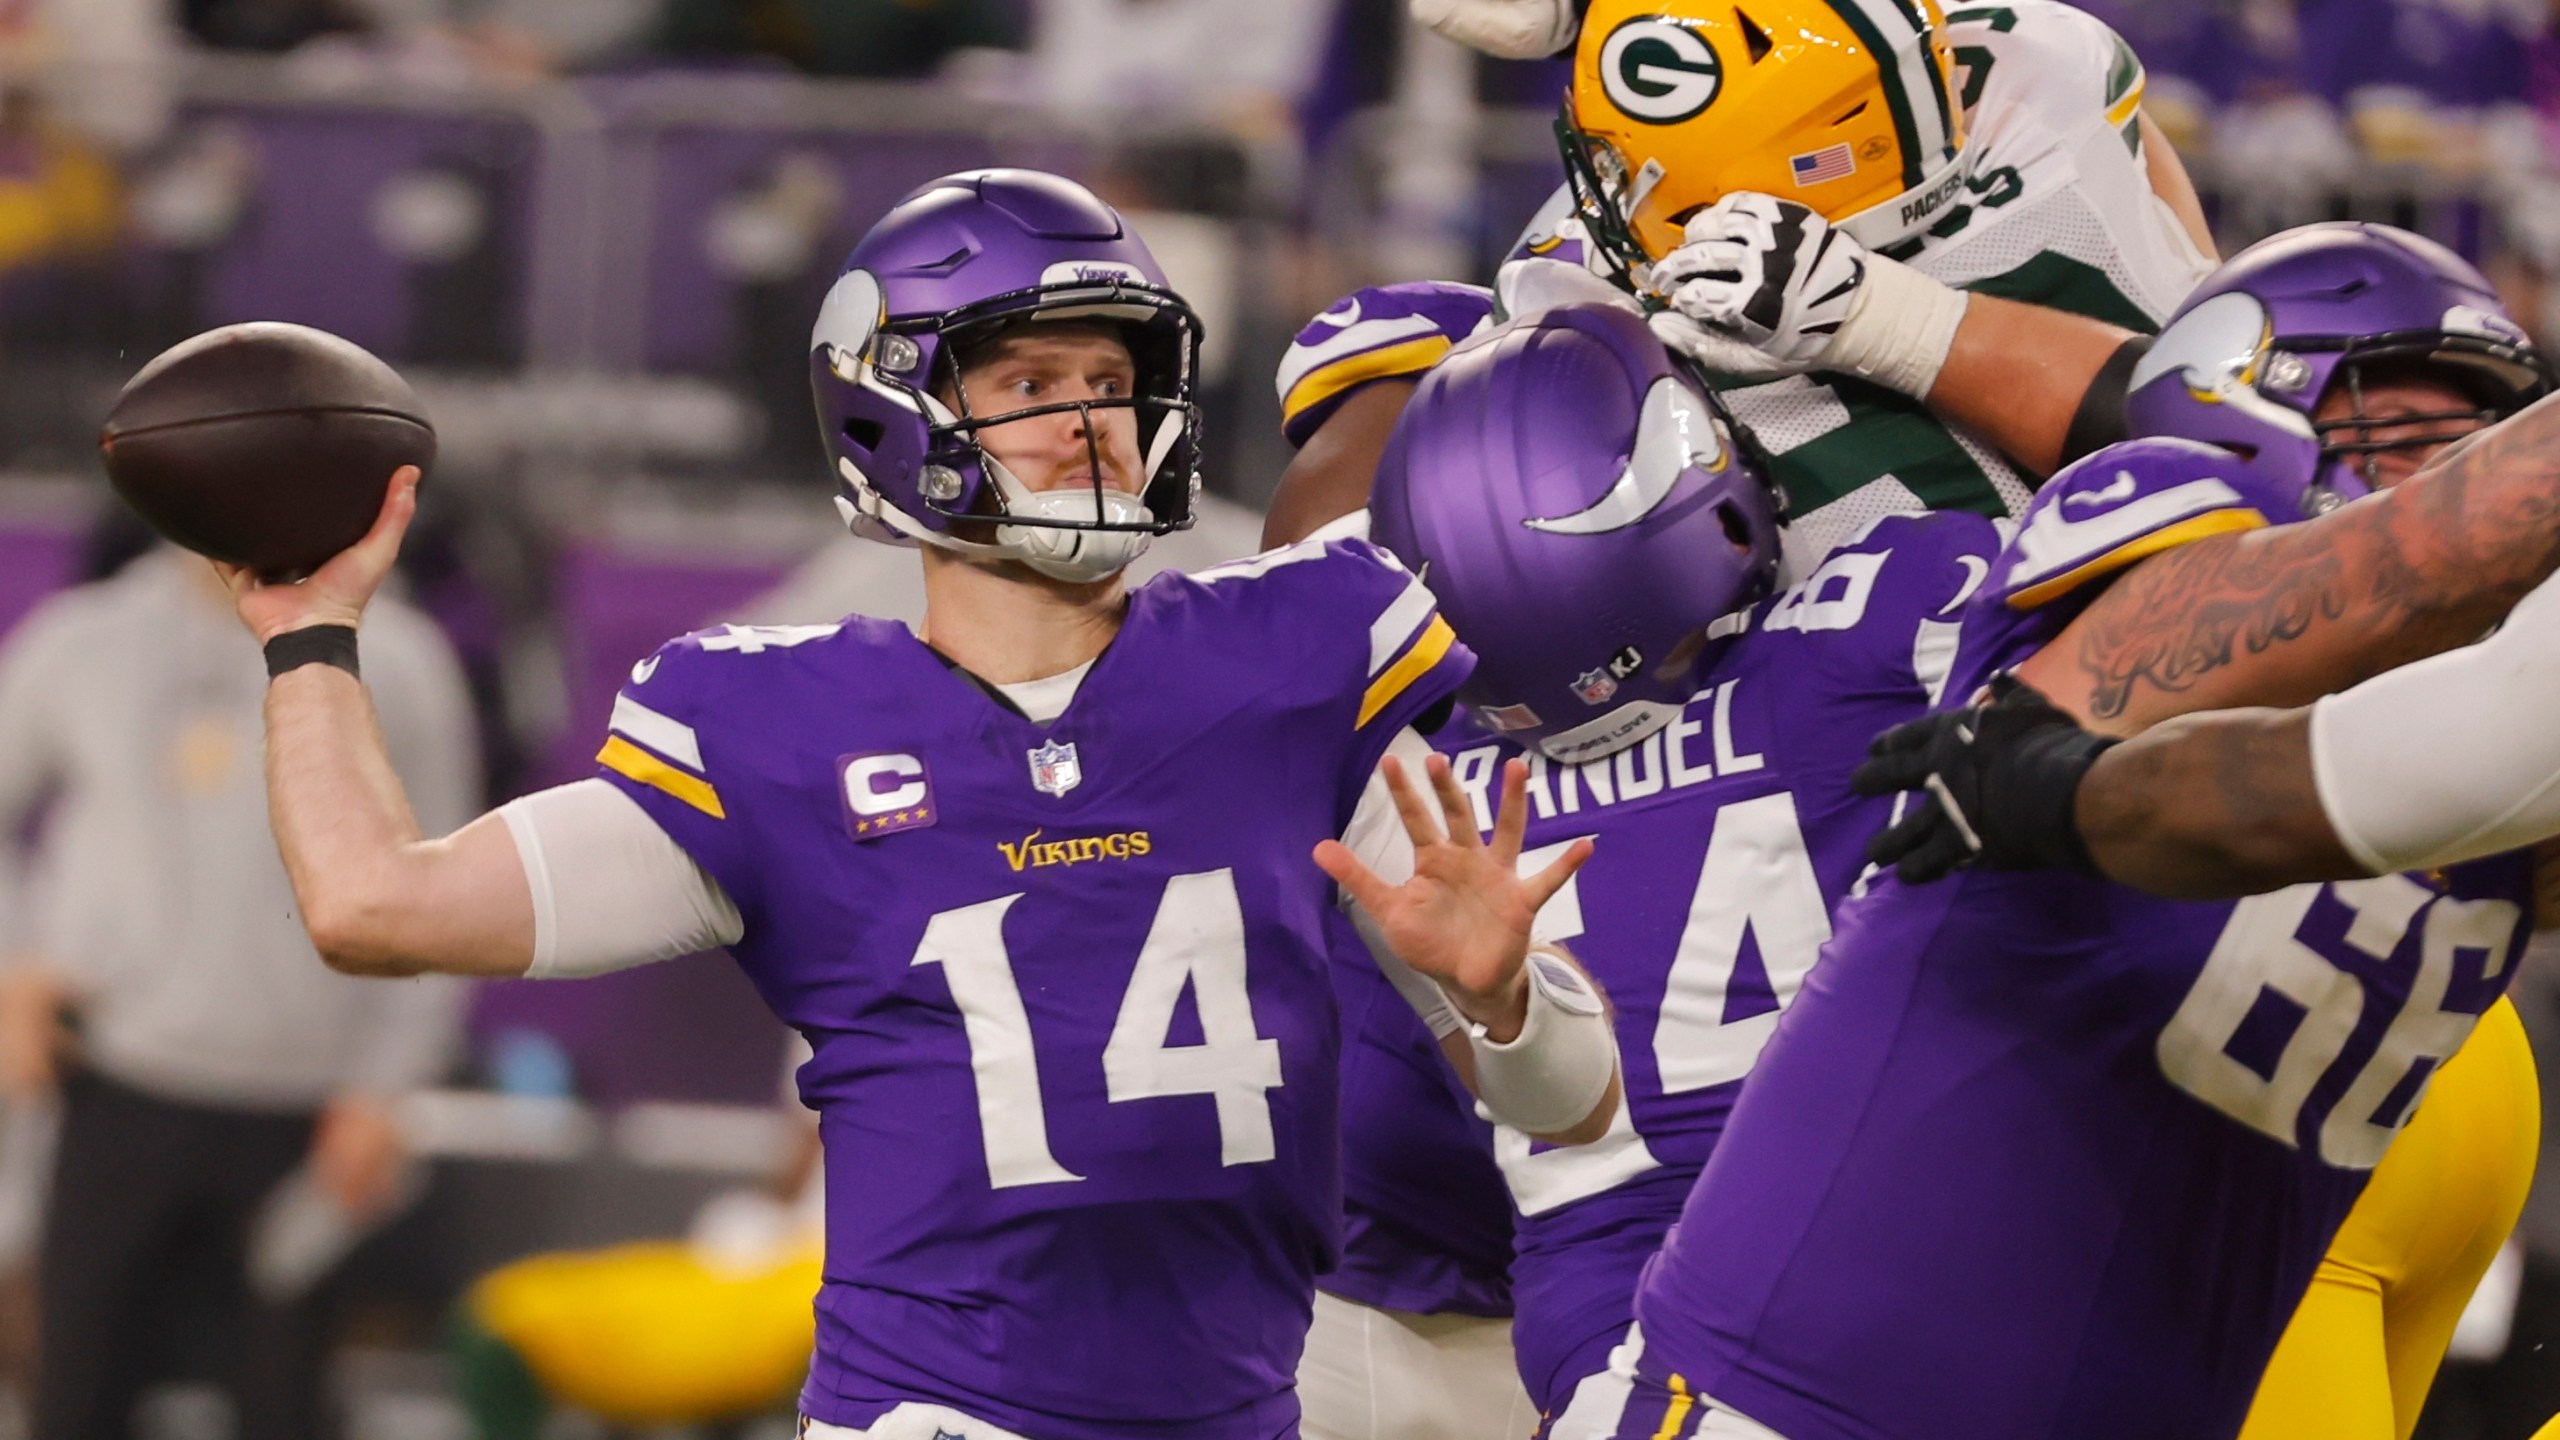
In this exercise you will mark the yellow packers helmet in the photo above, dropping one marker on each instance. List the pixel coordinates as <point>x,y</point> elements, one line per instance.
<point>1848,107</point>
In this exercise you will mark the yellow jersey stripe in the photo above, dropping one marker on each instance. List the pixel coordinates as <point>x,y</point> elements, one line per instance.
<point>629,760</point>
<point>1676,1414</point>
<point>1411,357</point>
<point>1436,639</point>
<point>2123,111</point>
<point>2185,532</point>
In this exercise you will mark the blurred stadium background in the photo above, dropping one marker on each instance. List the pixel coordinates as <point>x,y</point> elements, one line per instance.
<point>593,232</point>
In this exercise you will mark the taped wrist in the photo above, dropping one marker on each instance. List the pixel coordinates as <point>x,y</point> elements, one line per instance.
<point>313,645</point>
<point>2032,801</point>
<point>1899,329</point>
<point>1551,1075</point>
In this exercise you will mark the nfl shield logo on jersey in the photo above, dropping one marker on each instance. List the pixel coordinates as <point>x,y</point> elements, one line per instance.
<point>1595,685</point>
<point>1054,770</point>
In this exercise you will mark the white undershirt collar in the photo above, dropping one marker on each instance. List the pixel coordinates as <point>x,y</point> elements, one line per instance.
<point>1045,699</point>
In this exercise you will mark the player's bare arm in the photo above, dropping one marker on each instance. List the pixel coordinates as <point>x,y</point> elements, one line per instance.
<point>2170,181</point>
<point>2212,806</point>
<point>2021,375</point>
<point>2282,616</point>
<point>1330,478</point>
<point>378,897</point>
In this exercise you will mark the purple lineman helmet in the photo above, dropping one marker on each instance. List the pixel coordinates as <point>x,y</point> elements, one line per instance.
<point>2248,359</point>
<point>954,263</point>
<point>1580,509</point>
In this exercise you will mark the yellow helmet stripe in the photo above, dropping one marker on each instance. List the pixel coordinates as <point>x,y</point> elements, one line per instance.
<point>1871,21</point>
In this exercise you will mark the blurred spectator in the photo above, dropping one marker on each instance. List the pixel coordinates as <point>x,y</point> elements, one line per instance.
<point>103,68</point>
<point>1241,64</point>
<point>266,24</point>
<point>59,196</point>
<point>874,38</point>
<point>225,1098</point>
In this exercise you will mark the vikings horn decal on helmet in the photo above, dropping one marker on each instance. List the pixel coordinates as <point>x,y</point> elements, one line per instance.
<point>1848,107</point>
<point>1582,507</point>
<point>955,263</point>
<point>2247,360</point>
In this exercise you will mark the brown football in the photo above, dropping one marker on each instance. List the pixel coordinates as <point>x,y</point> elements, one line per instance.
<point>265,444</point>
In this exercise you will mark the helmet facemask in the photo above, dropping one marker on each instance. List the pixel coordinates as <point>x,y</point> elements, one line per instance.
<point>963,498</point>
<point>1084,531</point>
<point>1605,196</point>
<point>2502,378</point>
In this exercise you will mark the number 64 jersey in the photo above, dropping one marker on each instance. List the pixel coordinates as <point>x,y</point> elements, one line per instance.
<point>1723,842</point>
<point>1075,1038</point>
<point>2035,1154</point>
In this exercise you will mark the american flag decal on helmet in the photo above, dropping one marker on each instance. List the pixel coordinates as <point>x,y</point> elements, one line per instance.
<point>1832,162</point>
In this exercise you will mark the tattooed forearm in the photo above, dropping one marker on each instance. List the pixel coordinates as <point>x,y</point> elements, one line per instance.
<point>2191,612</point>
<point>2211,806</point>
<point>2282,616</point>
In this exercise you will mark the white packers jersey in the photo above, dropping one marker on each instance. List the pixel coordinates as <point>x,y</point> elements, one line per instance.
<point>2056,209</point>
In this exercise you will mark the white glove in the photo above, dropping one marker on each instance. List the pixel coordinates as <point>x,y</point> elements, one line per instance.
<point>1767,272</point>
<point>1774,277</point>
<point>1508,29</point>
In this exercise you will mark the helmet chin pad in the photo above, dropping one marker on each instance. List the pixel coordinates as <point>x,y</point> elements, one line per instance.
<point>1078,556</point>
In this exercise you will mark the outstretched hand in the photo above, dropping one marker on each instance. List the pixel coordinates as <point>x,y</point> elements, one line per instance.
<point>1464,917</point>
<point>337,592</point>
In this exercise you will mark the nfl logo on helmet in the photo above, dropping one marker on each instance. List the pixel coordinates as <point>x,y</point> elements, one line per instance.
<point>1595,685</point>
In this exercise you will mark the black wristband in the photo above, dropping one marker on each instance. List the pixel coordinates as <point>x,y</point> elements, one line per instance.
<point>314,645</point>
<point>2099,422</point>
<point>2042,791</point>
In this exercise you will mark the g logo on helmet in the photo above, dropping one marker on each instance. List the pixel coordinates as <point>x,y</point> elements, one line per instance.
<point>1659,71</point>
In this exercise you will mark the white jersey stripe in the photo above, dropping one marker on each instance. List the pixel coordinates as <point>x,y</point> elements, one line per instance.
<point>1912,72</point>
<point>669,737</point>
<point>1387,636</point>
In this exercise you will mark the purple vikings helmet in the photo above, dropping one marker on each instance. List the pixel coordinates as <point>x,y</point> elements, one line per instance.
<point>1578,506</point>
<point>957,261</point>
<point>2249,357</point>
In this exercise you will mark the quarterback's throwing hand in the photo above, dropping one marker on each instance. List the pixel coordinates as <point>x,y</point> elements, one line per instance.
<point>1766,272</point>
<point>1999,781</point>
<point>337,592</point>
<point>1463,919</point>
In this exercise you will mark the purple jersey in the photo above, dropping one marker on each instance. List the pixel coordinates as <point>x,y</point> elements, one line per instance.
<point>1075,1043</point>
<point>1724,841</point>
<point>1425,1225</point>
<point>1385,332</point>
<point>2037,1154</point>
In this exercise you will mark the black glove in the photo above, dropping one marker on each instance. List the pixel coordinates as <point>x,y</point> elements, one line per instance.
<point>2000,778</point>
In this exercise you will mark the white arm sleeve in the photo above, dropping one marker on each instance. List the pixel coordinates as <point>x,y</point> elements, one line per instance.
<point>1376,835</point>
<point>2452,758</point>
<point>610,890</point>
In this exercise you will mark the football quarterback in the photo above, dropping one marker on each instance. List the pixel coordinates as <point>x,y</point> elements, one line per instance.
<point>1049,889</point>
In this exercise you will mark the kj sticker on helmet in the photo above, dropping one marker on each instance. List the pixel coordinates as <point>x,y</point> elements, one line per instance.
<point>1660,71</point>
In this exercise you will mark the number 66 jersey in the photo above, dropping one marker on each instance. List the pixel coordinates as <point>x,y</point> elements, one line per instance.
<point>1075,1040</point>
<point>2037,1155</point>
